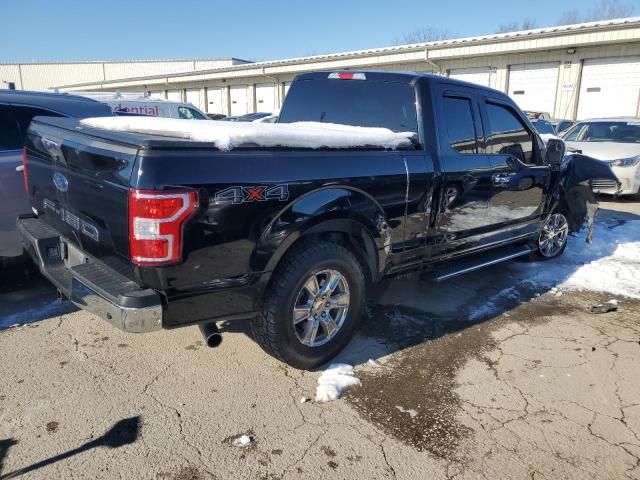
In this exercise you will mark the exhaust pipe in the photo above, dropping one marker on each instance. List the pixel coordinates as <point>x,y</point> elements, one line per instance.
<point>211,334</point>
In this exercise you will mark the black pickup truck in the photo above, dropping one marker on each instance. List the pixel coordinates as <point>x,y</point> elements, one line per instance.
<point>152,232</point>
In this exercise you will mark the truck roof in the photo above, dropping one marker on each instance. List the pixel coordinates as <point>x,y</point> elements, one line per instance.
<point>406,77</point>
<point>62,103</point>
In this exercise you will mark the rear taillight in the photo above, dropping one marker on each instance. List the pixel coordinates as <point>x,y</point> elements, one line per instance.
<point>24,170</point>
<point>156,221</point>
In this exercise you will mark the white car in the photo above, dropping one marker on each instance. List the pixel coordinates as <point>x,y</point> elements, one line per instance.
<point>615,141</point>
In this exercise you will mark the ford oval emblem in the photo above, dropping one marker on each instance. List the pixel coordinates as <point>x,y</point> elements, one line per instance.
<point>61,182</point>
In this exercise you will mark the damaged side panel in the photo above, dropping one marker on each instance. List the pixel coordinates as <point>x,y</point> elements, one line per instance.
<point>573,193</point>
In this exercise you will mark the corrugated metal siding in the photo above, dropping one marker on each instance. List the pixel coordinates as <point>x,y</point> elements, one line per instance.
<point>10,73</point>
<point>113,71</point>
<point>44,76</point>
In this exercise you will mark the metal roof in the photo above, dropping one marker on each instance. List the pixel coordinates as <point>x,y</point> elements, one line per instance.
<point>465,41</point>
<point>156,60</point>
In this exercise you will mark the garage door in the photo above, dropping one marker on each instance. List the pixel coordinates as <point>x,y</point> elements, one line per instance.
<point>238,96</point>
<point>609,88</point>
<point>265,97</point>
<point>534,86</point>
<point>174,95</point>
<point>479,76</point>
<point>194,97</point>
<point>214,99</point>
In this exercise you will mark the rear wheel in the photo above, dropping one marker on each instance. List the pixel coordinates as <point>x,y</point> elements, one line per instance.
<point>553,237</point>
<point>313,305</point>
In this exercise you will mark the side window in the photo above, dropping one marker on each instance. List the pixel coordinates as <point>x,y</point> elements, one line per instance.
<point>507,135</point>
<point>185,113</point>
<point>24,115</point>
<point>10,137</point>
<point>461,131</point>
<point>189,113</point>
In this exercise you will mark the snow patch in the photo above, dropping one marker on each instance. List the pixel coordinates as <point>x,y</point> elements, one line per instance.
<point>229,135</point>
<point>412,413</point>
<point>242,441</point>
<point>334,380</point>
<point>610,265</point>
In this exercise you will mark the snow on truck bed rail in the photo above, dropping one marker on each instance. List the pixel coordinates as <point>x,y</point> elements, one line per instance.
<point>229,135</point>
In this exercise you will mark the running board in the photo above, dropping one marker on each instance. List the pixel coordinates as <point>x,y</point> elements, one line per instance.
<point>476,262</point>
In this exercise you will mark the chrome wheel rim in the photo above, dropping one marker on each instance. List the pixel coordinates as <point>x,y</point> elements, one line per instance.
<point>553,235</point>
<point>321,308</point>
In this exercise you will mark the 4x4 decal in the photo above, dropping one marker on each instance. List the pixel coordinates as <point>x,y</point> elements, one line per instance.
<point>249,194</point>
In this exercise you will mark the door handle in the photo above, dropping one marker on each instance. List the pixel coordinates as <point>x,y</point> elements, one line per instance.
<point>20,168</point>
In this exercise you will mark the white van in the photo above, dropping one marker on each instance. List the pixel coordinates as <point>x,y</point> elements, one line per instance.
<point>143,104</point>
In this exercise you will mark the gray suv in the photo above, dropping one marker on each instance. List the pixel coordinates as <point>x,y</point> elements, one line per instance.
<point>17,108</point>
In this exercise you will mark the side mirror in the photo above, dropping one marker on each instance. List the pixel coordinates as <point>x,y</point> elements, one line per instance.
<point>555,151</point>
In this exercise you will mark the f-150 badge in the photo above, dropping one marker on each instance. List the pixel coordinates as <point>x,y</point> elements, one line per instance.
<point>250,194</point>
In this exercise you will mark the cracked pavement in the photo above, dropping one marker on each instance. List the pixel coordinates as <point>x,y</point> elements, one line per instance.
<point>538,389</point>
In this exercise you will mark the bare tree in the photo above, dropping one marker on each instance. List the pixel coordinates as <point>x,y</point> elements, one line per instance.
<point>569,17</point>
<point>424,35</point>
<point>601,10</point>
<point>609,9</point>
<point>526,24</point>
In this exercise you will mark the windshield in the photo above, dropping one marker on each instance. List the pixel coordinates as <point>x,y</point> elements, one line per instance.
<point>542,126</point>
<point>618,132</point>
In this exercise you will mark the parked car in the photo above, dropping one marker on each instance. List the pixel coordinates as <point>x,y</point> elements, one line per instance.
<point>562,124</point>
<point>249,117</point>
<point>141,104</point>
<point>615,141</point>
<point>543,126</point>
<point>267,119</point>
<point>17,108</point>
<point>162,232</point>
<point>535,115</point>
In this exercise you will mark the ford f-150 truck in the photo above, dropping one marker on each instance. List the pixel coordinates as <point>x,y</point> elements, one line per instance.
<point>152,232</point>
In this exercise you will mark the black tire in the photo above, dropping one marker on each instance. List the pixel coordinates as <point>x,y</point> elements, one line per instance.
<point>274,330</point>
<point>538,255</point>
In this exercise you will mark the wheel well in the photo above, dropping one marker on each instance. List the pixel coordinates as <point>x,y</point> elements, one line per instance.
<point>357,240</point>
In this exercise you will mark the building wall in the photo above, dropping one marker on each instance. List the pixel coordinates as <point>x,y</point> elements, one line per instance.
<point>567,46</point>
<point>570,68</point>
<point>45,76</point>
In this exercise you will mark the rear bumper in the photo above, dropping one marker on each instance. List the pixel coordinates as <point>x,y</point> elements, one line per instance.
<point>89,283</point>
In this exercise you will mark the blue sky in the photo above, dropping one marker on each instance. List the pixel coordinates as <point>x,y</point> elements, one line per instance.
<point>62,30</point>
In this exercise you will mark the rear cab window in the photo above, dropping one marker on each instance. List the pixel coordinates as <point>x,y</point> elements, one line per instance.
<point>365,103</point>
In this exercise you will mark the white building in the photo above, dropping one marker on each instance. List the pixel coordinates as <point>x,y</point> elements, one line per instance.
<point>45,76</point>
<point>574,71</point>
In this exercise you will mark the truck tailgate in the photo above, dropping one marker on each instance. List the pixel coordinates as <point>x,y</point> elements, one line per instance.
<point>79,184</point>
